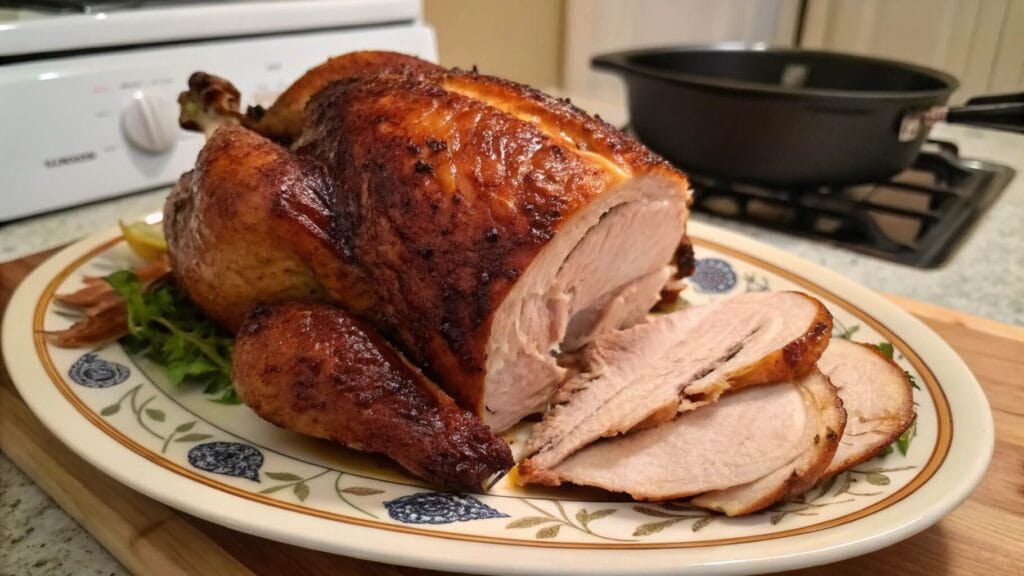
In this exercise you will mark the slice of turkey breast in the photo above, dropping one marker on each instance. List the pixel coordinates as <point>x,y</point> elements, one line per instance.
<point>648,373</point>
<point>826,417</point>
<point>746,451</point>
<point>877,395</point>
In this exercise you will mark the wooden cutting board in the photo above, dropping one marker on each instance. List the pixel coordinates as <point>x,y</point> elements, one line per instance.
<point>983,536</point>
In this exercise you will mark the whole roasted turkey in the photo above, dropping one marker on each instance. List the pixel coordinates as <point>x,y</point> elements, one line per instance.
<point>388,224</point>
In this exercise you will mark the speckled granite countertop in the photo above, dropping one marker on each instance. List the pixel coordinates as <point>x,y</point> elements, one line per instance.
<point>984,277</point>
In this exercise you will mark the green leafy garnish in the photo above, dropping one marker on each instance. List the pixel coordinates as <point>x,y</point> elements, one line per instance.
<point>166,327</point>
<point>886,349</point>
<point>913,381</point>
<point>847,333</point>
<point>903,442</point>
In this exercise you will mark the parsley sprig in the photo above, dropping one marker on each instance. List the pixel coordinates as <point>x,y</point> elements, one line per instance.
<point>166,327</point>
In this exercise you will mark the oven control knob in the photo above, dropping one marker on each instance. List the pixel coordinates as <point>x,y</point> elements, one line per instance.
<point>150,122</point>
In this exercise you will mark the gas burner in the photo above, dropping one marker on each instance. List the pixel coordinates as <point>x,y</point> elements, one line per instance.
<point>916,218</point>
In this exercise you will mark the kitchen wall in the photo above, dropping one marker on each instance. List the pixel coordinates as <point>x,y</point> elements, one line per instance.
<point>981,42</point>
<point>520,39</point>
<point>598,26</point>
<point>549,43</point>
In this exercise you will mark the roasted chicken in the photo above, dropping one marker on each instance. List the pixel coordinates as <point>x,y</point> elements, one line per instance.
<point>388,224</point>
<point>470,219</point>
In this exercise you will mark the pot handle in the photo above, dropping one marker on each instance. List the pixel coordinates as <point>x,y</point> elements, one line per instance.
<point>1001,111</point>
<point>609,63</point>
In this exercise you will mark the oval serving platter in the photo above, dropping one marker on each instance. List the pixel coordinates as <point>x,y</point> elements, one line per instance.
<point>222,463</point>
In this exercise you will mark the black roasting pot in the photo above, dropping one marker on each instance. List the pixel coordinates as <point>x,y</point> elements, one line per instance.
<point>791,118</point>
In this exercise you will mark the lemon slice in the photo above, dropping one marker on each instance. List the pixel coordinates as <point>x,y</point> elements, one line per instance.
<point>146,240</point>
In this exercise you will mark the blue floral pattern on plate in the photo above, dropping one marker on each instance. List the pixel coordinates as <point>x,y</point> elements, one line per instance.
<point>714,276</point>
<point>92,371</point>
<point>439,508</point>
<point>229,458</point>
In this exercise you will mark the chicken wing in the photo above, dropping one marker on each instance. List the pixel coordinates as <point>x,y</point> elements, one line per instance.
<point>251,224</point>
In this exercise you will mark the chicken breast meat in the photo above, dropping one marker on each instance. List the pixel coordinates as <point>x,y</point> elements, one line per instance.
<point>743,453</point>
<point>753,447</point>
<point>825,418</point>
<point>485,215</point>
<point>679,361</point>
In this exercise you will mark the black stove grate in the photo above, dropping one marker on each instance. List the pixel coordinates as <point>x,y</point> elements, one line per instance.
<point>916,218</point>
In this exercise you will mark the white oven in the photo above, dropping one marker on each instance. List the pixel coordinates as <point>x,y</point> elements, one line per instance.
<point>88,98</point>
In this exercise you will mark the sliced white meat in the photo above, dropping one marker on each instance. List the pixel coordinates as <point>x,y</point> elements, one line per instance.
<point>826,418</point>
<point>602,272</point>
<point>678,361</point>
<point>743,452</point>
<point>877,395</point>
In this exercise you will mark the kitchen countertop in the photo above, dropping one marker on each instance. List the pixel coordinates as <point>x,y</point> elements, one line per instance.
<point>985,277</point>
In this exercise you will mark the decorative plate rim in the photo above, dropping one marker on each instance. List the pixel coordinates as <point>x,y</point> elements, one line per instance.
<point>464,552</point>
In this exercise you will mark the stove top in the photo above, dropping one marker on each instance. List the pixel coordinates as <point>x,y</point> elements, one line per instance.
<point>916,218</point>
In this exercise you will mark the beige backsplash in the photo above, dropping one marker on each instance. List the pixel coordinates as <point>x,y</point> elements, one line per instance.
<point>520,40</point>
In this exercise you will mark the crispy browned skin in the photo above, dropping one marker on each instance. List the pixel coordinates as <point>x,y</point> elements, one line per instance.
<point>314,369</point>
<point>283,121</point>
<point>446,187</point>
<point>250,224</point>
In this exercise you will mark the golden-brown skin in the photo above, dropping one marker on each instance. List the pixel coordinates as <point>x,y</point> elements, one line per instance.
<point>251,224</point>
<point>283,121</point>
<point>316,370</point>
<point>443,199</point>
